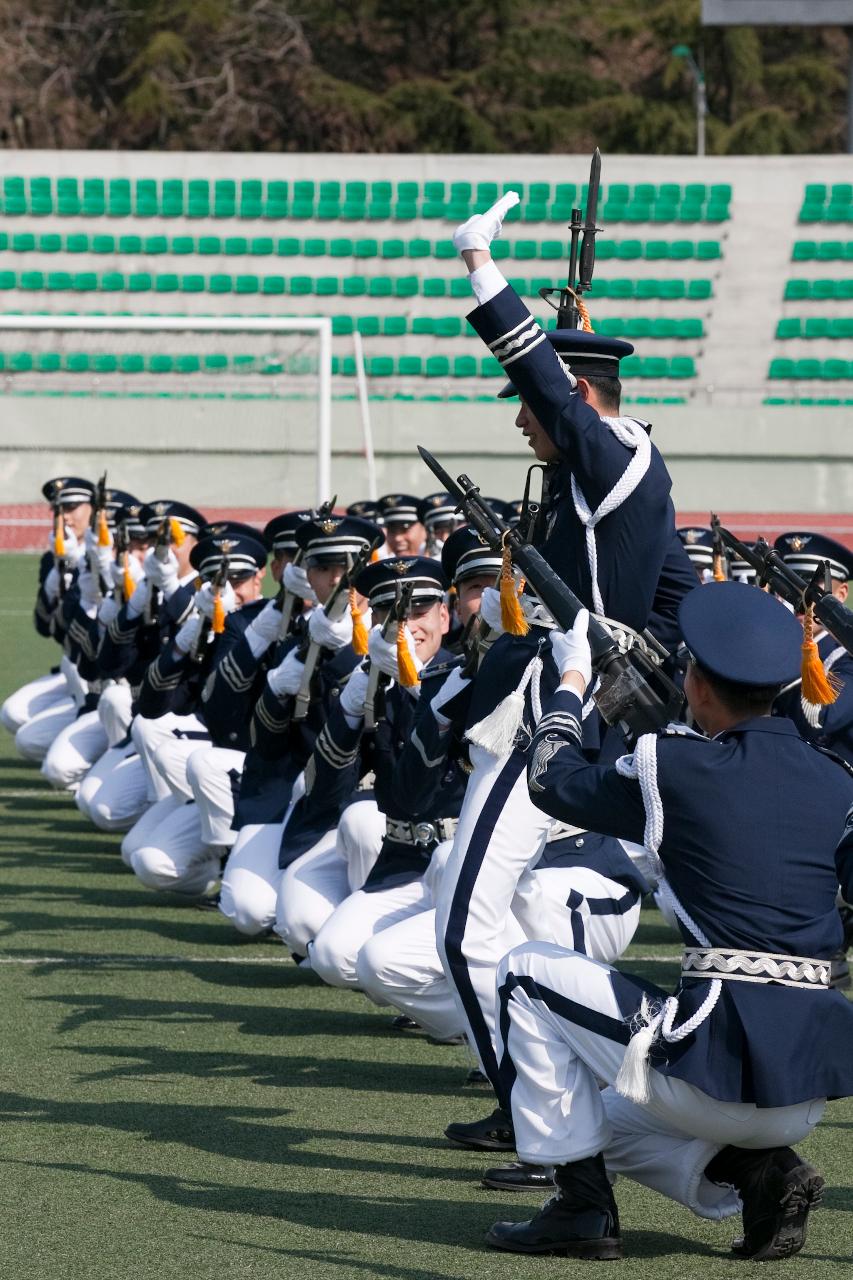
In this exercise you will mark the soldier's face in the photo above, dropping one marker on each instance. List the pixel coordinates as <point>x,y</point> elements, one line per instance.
<point>428,623</point>
<point>324,578</point>
<point>535,434</point>
<point>248,589</point>
<point>405,539</point>
<point>182,553</point>
<point>279,560</point>
<point>469,594</point>
<point>77,518</point>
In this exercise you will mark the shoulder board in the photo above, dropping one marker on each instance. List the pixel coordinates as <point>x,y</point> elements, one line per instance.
<point>442,669</point>
<point>831,755</point>
<point>676,730</point>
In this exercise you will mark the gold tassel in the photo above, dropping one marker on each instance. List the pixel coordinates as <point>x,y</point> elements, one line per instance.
<point>104,539</point>
<point>359,630</point>
<point>217,623</point>
<point>405,666</point>
<point>374,555</point>
<point>512,618</point>
<point>128,585</point>
<point>719,573</point>
<point>177,531</point>
<point>59,538</point>
<point>819,688</point>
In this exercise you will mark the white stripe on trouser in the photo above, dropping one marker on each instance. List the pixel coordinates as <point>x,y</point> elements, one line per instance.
<point>167,776</point>
<point>335,949</point>
<point>33,739</point>
<point>37,695</point>
<point>74,750</point>
<point>176,859</point>
<point>552,905</point>
<point>515,842</point>
<point>114,793</point>
<point>561,1115</point>
<point>209,772</point>
<point>114,711</point>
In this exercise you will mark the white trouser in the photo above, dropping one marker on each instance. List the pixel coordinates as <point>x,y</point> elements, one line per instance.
<point>113,793</point>
<point>213,774</point>
<point>551,1066</point>
<point>164,751</point>
<point>251,877</point>
<point>335,949</point>
<point>577,907</point>
<point>176,859</point>
<point>74,750</point>
<point>33,697</point>
<point>141,834</point>
<point>114,711</point>
<point>319,881</point>
<point>500,834</point>
<point>33,739</point>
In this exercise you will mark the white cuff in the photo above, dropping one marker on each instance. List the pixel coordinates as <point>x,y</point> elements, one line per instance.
<point>487,282</point>
<point>256,642</point>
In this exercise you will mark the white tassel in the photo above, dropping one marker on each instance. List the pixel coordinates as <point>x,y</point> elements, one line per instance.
<point>633,1079</point>
<point>497,732</point>
<point>811,713</point>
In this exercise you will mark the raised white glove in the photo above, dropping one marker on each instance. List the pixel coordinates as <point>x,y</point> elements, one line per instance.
<point>490,609</point>
<point>295,579</point>
<point>353,695</point>
<point>108,610</point>
<point>138,602</point>
<point>99,556</point>
<point>162,573</point>
<point>188,634</point>
<point>264,629</point>
<point>480,229</point>
<point>287,676</point>
<point>204,597</point>
<point>75,551</point>
<point>51,584</point>
<point>384,652</point>
<point>87,585</point>
<point>330,633</point>
<point>454,685</point>
<point>570,649</point>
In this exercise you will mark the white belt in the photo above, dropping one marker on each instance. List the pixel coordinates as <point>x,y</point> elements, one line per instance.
<point>737,965</point>
<point>421,833</point>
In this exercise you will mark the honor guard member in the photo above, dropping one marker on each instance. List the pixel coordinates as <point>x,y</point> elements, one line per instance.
<point>405,534</point>
<point>438,515</point>
<point>828,726</point>
<point>318,907</point>
<point>708,1087</point>
<point>609,532</point>
<point>270,817</point>
<point>79,745</point>
<point>173,853</point>
<point>740,571</point>
<point>37,712</point>
<point>698,542</point>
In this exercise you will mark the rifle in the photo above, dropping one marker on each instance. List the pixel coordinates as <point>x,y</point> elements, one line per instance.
<point>396,614</point>
<point>99,525</point>
<point>59,556</point>
<point>335,607</point>
<point>635,695</point>
<point>216,623</point>
<point>718,549</point>
<point>569,307</point>
<point>167,534</point>
<point>286,600</point>
<point>796,590</point>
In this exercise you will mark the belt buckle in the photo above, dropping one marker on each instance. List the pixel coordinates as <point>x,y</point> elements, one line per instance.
<point>423,832</point>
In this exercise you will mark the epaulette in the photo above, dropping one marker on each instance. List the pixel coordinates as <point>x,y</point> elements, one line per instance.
<point>675,729</point>
<point>831,755</point>
<point>443,669</point>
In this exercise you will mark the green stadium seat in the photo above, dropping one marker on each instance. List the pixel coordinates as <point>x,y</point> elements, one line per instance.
<point>501,250</point>
<point>248,284</point>
<point>172,197</point>
<point>103,244</point>
<point>630,367</point>
<point>655,250</point>
<point>380,287</point>
<point>421,248</point>
<point>403,211</point>
<point>788,327</point>
<point>50,243</point>
<point>844,290</point>
<point>219,283</point>
<point>48,362</point>
<point>139,282</point>
<point>835,369</point>
<point>486,194</point>
<point>314,248</point>
<point>410,366</point>
<point>112,282</point>
<point>76,243</point>
<point>638,327</point>
<point>622,288</point>
<point>354,286</point>
<point>208,246</point>
<point>682,367</point>
<point>444,249</point>
<point>434,287</point>
<point>464,367</point>
<point>147,204</point>
<point>59,281</point>
<point>368,326</point>
<point>188,363</point>
<point>356,191</point>
<point>841,193</point>
<point>551,249</point>
<point>406,286</point>
<point>300,286</point>
<point>447,326</point>
<point>215,361</point>
<point>663,328</point>
<point>796,290</point>
<point>160,363</point>
<point>31,280</point>
<point>77,362</point>
<point>129,244</point>
<point>841,327</point>
<point>288,247</point>
<point>423,326</point>
<point>23,242</point>
<point>437,367</point>
<point>697,290</point>
<point>192,284</point>
<point>807,368</point>
<point>381,212</point>
<point>804,251</point>
<point>104,362</point>
<point>692,327</point>
<point>379,366</point>
<point>393,248</point>
<point>679,250</point>
<point>629,250</point>
<point>491,368</point>
<point>131,362</point>
<point>271,285</point>
<point>816,327</point>
<point>261,246</point>
<point>646,288</point>
<point>523,250</point>
<point>823,290</point>
<point>327,286</point>
<point>365,248</point>
<point>342,326</point>
<point>235,246</point>
<point>155,245</point>
<point>383,192</point>
<point>21,362</point>
<point>166,282</point>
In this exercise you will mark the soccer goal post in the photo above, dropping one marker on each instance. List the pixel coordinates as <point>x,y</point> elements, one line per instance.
<point>276,371</point>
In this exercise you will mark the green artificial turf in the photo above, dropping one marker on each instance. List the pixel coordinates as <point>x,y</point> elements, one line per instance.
<point>178,1101</point>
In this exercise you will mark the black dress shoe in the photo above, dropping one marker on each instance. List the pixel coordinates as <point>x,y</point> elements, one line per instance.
<point>519,1176</point>
<point>589,1234</point>
<point>403,1022</point>
<point>476,1076</point>
<point>839,971</point>
<point>778,1189</point>
<point>495,1133</point>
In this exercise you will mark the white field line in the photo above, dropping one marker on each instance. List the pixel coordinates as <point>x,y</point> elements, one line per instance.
<point>27,793</point>
<point>132,961</point>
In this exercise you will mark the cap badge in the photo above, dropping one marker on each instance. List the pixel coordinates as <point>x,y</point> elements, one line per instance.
<point>225,545</point>
<point>160,508</point>
<point>217,529</point>
<point>797,542</point>
<point>400,566</point>
<point>692,536</point>
<point>391,501</point>
<point>328,526</point>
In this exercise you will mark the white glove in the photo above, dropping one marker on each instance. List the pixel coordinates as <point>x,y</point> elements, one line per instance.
<point>264,629</point>
<point>480,230</point>
<point>162,574</point>
<point>330,633</point>
<point>353,695</point>
<point>204,597</point>
<point>188,634</point>
<point>384,652</point>
<point>287,676</point>
<point>75,551</point>
<point>100,556</point>
<point>490,609</point>
<point>295,579</point>
<point>570,649</point>
<point>134,568</point>
<point>138,602</point>
<point>51,584</point>
<point>108,610</point>
<point>454,685</point>
<point>87,585</point>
